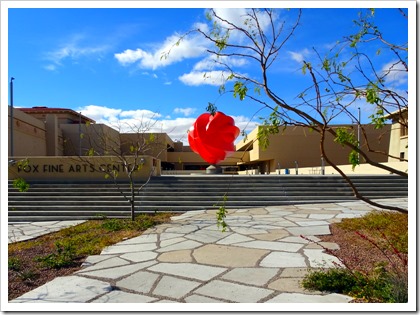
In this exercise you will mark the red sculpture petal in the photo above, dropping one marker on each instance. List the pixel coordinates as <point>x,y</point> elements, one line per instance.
<point>212,136</point>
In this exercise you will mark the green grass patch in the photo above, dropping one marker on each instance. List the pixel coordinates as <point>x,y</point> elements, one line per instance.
<point>34,262</point>
<point>14,263</point>
<point>89,238</point>
<point>387,280</point>
<point>384,226</point>
<point>380,286</point>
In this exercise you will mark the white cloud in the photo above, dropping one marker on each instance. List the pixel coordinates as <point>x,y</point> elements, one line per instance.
<point>185,111</point>
<point>196,78</point>
<point>73,49</point>
<point>395,73</point>
<point>130,56</point>
<point>173,49</point>
<point>149,121</point>
<point>50,67</point>
<point>212,62</point>
<point>240,18</point>
<point>140,114</point>
<point>176,48</point>
<point>99,113</point>
<point>299,56</point>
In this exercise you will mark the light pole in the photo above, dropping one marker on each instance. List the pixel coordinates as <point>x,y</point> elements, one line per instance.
<point>11,116</point>
<point>358,134</point>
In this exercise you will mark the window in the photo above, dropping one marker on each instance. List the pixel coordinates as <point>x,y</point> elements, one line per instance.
<point>402,156</point>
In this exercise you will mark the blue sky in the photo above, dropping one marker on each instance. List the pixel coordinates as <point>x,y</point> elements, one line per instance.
<point>106,63</point>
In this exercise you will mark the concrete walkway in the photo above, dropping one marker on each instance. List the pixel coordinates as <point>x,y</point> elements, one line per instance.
<point>261,258</point>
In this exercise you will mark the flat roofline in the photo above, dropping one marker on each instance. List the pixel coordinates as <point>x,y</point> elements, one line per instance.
<point>54,110</point>
<point>396,113</point>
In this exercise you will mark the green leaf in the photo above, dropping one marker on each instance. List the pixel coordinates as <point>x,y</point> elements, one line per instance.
<point>304,67</point>
<point>20,184</point>
<point>239,89</point>
<point>371,96</point>
<point>326,65</point>
<point>221,214</point>
<point>378,117</point>
<point>354,159</point>
<point>90,152</point>
<point>344,136</point>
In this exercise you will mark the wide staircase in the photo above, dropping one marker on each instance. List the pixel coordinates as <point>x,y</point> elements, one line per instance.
<point>46,201</point>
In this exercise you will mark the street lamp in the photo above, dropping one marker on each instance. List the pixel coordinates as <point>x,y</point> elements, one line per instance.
<point>11,116</point>
<point>358,135</point>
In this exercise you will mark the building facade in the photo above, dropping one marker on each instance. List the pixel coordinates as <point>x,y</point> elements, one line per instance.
<point>42,131</point>
<point>398,148</point>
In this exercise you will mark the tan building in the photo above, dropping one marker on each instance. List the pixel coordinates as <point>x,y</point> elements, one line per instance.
<point>398,146</point>
<point>42,131</point>
<point>296,147</point>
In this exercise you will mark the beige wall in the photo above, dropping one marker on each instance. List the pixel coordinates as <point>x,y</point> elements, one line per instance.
<point>301,145</point>
<point>34,137</point>
<point>64,116</point>
<point>54,136</point>
<point>75,168</point>
<point>154,144</point>
<point>103,139</point>
<point>183,159</point>
<point>29,134</point>
<point>398,144</point>
<point>362,169</point>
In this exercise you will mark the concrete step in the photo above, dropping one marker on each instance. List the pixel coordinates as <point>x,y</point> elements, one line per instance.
<point>81,200</point>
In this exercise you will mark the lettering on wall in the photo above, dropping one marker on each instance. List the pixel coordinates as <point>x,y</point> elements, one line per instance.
<point>68,168</point>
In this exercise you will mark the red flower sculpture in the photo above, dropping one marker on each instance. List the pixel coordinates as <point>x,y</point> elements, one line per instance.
<point>212,136</point>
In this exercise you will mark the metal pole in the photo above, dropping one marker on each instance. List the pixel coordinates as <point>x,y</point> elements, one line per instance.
<point>322,166</point>
<point>358,135</point>
<point>296,167</point>
<point>11,116</point>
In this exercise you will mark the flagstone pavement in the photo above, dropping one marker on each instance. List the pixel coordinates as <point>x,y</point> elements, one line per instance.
<point>261,258</point>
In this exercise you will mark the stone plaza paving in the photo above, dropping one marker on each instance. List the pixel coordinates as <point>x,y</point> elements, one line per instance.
<point>261,258</point>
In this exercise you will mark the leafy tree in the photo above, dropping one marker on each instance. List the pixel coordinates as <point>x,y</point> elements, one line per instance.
<point>126,149</point>
<point>346,76</point>
<point>19,183</point>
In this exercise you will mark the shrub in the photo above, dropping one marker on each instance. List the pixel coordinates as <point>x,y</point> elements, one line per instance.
<point>14,263</point>
<point>380,286</point>
<point>63,257</point>
<point>20,184</point>
<point>386,278</point>
<point>113,225</point>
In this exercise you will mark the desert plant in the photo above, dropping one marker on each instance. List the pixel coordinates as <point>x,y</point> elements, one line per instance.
<point>20,184</point>
<point>113,225</point>
<point>63,256</point>
<point>221,214</point>
<point>28,275</point>
<point>387,281</point>
<point>14,263</point>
